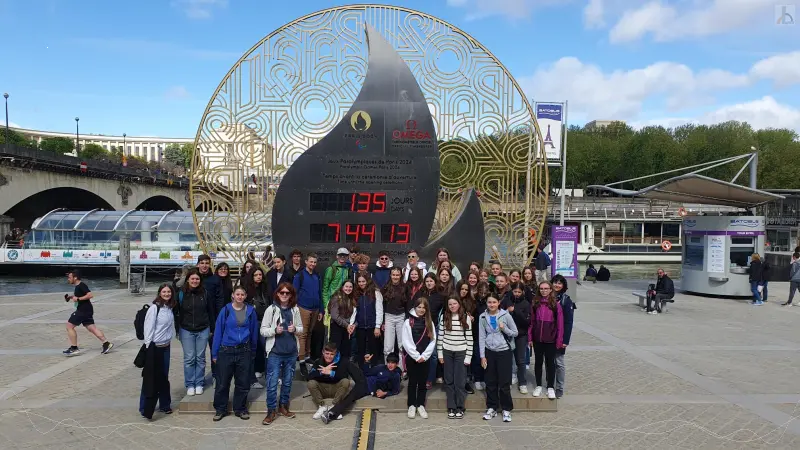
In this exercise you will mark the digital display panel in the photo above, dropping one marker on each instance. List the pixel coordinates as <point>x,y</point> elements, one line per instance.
<point>360,233</point>
<point>358,202</point>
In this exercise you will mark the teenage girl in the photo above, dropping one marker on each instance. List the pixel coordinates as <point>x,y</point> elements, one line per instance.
<point>496,334</point>
<point>546,335</point>
<point>419,341</point>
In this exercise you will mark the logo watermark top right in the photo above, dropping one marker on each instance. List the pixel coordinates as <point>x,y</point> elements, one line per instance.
<point>785,14</point>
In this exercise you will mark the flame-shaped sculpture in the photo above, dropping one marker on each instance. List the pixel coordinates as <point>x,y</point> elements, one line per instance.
<point>373,181</point>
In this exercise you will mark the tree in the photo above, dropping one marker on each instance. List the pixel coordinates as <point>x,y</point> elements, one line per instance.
<point>58,145</point>
<point>179,155</point>
<point>16,139</point>
<point>93,151</point>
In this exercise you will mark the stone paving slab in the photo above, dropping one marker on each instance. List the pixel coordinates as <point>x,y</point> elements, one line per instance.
<point>27,335</point>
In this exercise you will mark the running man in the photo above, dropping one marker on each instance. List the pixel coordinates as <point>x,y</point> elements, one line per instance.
<point>83,315</point>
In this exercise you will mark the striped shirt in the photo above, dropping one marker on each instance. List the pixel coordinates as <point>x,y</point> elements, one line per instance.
<point>455,340</point>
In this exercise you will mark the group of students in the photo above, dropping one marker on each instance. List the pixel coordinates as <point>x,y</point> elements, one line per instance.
<point>435,326</point>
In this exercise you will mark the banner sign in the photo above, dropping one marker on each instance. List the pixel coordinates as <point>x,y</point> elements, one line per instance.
<point>550,117</point>
<point>565,251</point>
<point>110,257</point>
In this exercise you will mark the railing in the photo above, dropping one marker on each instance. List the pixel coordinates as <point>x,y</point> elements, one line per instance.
<point>27,158</point>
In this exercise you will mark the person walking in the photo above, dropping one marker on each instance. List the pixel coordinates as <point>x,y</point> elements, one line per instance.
<point>83,315</point>
<point>568,308</point>
<point>454,346</point>
<point>419,342</point>
<point>195,316</point>
<point>282,326</point>
<point>546,335</point>
<point>159,329</point>
<point>234,344</point>
<point>496,336</point>
<point>794,278</point>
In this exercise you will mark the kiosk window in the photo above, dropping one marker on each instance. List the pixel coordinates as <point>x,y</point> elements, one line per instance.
<point>695,248</point>
<point>741,250</point>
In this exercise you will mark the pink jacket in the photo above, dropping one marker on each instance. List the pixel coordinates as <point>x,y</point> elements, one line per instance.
<point>545,327</point>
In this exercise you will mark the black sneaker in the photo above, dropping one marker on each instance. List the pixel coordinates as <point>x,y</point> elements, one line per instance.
<point>72,351</point>
<point>468,387</point>
<point>326,418</point>
<point>107,346</point>
<point>451,413</point>
<point>303,369</point>
<point>244,415</point>
<point>459,414</point>
<point>218,416</point>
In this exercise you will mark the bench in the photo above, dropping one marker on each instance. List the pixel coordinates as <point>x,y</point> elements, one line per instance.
<point>643,301</point>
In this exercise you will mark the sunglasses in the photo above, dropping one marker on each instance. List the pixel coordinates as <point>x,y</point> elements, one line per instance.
<point>412,256</point>
<point>284,293</point>
<point>384,259</point>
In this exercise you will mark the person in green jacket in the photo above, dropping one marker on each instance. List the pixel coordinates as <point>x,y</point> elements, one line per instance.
<point>335,276</point>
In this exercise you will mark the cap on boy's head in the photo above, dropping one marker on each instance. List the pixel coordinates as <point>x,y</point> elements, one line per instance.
<point>342,251</point>
<point>392,358</point>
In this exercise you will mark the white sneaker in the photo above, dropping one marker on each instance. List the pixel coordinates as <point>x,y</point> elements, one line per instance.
<point>339,417</point>
<point>440,380</point>
<point>320,411</point>
<point>259,374</point>
<point>490,414</point>
<point>551,393</point>
<point>422,412</point>
<point>480,385</point>
<point>506,416</point>
<point>537,391</point>
<point>190,391</point>
<point>256,385</point>
<point>198,390</point>
<point>412,411</point>
<point>523,389</point>
<point>514,379</point>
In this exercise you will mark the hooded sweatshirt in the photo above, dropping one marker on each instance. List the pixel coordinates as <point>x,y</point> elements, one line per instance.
<point>794,272</point>
<point>415,339</point>
<point>547,326</point>
<point>340,373</point>
<point>491,337</point>
<point>381,275</point>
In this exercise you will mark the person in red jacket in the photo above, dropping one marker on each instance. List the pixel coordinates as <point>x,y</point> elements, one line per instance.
<point>546,334</point>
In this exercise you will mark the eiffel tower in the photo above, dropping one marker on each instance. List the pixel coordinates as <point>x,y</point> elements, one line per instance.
<point>547,139</point>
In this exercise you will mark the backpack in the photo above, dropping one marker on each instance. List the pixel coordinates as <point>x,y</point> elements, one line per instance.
<point>547,258</point>
<point>138,321</point>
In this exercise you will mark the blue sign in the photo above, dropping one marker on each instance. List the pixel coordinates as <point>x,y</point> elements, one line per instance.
<point>549,111</point>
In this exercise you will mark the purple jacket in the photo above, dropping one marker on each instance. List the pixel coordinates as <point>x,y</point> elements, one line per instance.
<point>545,327</point>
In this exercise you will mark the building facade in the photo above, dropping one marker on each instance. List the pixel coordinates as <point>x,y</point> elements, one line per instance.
<point>783,220</point>
<point>147,148</point>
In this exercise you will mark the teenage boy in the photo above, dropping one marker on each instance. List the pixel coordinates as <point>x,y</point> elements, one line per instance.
<point>383,380</point>
<point>413,261</point>
<point>382,269</point>
<point>328,378</point>
<point>308,285</point>
<point>83,315</point>
<point>296,264</point>
<point>331,365</point>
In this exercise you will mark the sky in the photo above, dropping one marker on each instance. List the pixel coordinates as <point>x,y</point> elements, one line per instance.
<point>149,67</point>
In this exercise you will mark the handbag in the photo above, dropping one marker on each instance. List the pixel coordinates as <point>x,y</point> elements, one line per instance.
<point>140,357</point>
<point>760,288</point>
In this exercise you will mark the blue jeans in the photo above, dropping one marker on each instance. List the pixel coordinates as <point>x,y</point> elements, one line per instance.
<point>282,366</point>
<point>233,363</point>
<point>475,367</point>
<point>433,365</point>
<point>754,290</point>
<point>164,397</point>
<point>194,345</point>
<point>764,292</point>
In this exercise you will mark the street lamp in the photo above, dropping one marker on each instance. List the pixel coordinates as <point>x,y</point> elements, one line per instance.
<point>124,147</point>
<point>5,96</point>
<point>77,137</point>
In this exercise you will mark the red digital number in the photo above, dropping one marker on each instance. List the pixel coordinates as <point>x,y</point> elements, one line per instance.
<point>364,201</point>
<point>403,233</point>
<point>368,231</point>
<point>352,232</point>
<point>353,203</point>
<point>336,227</point>
<point>379,202</point>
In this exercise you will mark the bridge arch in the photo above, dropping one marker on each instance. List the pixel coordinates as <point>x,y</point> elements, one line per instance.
<point>160,203</point>
<point>25,211</point>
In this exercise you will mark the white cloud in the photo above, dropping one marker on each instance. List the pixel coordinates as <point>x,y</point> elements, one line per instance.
<point>760,114</point>
<point>593,14</point>
<point>783,69</point>
<point>621,93</point>
<point>199,9</point>
<point>512,9</point>
<point>177,93</point>
<point>668,22</point>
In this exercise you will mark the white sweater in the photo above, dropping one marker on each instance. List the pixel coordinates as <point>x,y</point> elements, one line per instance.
<point>455,340</point>
<point>161,330</point>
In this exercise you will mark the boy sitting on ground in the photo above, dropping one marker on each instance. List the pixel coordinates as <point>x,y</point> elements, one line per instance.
<point>383,380</point>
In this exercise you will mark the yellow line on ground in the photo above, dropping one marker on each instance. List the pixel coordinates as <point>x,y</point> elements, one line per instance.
<point>363,437</point>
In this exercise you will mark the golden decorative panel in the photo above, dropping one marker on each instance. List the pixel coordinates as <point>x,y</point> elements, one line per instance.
<point>291,88</point>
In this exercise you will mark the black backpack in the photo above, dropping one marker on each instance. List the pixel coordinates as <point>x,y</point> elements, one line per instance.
<point>138,322</point>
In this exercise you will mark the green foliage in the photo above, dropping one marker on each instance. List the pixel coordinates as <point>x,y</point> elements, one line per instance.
<point>15,138</point>
<point>179,155</point>
<point>93,151</point>
<point>59,145</point>
<point>618,152</point>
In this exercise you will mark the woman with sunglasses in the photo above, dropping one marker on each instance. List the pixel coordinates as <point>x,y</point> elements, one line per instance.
<point>280,327</point>
<point>546,335</point>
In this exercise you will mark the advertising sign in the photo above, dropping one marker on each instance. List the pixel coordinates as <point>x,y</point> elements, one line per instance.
<point>550,117</point>
<point>716,254</point>
<point>565,251</point>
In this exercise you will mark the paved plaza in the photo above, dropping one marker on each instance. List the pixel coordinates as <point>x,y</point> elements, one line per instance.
<point>711,373</point>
